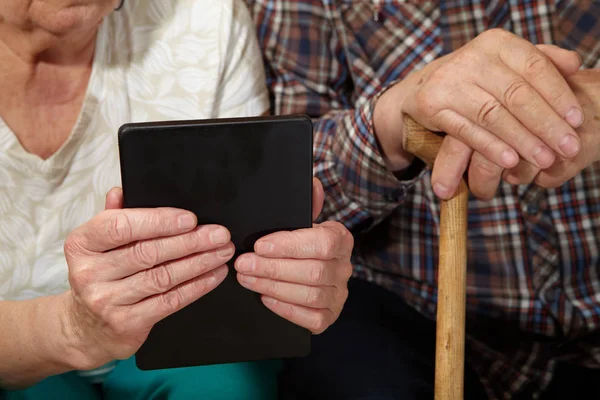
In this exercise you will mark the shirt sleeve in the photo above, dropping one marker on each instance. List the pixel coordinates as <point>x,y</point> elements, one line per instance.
<point>307,73</point>
<point>243,90</point>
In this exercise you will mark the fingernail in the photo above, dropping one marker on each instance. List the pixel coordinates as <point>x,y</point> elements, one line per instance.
<point>441,190</point>
<point>509,158</point>
<point>574,117</point>
<point>268,300</point>
<point>247,279</point>
<point>226,252</point>
<point>187,221</point>
<point>221,272</point>
<point>216,276</point>
<point>543,156</point>
<point>219,236</point>
<point>245,264</point>
<point>569,145</point>
<point>264,247</point>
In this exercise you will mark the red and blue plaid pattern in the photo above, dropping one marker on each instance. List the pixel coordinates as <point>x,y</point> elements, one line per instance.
<point>534,254</point>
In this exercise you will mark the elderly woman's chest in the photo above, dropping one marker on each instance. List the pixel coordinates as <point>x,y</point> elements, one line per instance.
<point>40,206</point>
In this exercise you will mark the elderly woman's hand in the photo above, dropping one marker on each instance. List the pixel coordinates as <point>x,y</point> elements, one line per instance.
<point>130,268</point>
<point>302,275</point>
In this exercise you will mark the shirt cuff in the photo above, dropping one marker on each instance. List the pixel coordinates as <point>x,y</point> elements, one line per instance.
<point>385,188</point>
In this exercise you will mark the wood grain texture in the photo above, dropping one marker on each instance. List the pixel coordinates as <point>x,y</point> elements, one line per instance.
<point>452,271</point>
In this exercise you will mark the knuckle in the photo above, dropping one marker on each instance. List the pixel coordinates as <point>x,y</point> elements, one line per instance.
<point>437,80</point>
<point>329,244</point>
<point>495,35</point>
<point>73,244</point>
<point>292,244</point>
<point>119,228</point>
<point>489,112</point>
<point>547,182</point>
<point>319,322</point>
<point>191,241</point>
<point>536,65</point>
<point>272,268</point>
<point>317,273</point>
<point>346,270</point>
<point>344,295</point>
<point>454,149</point>
<point>96,301</point>
<point>288,312</point>
<point>488,147</point>
<point>515,93</point>
<point>462,130</point>
<point>486,168</point>
<point>316,297</point>
<point>205,261</point>
<point>161,279</point>
<point>346,239</point>
<point>426,102</point>
<point>490,33</point>
<point>145,253</point>
<point>170,301</point>
<point>273,289</point>
<point>119,324</point>
<point>81,276</point>
<point>557,97</point>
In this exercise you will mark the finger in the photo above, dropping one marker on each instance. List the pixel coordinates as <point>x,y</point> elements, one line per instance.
<point>113,228</point>
<point>484,177</point>
<point>520,96</point>
<point>318,198</point>
<point>156,308</point>
<point>540,74</point>
<point>567,62</point>
<point>524,173</point>
<point>325,241</point>
<point>559,173</point>
<point>164,277</point>
<point>293,293</point>
<point>449,167</point>
<point>145,254</point>
<point>314,320</point>
<point>490,121</point>
<point>114,199</point>
<point>304,272</point>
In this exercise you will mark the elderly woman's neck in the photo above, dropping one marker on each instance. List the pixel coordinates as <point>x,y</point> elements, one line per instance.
<point>31,47</point>
<point>36,65</point>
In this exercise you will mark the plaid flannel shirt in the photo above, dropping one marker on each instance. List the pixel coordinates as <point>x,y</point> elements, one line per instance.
<point>533,288</point>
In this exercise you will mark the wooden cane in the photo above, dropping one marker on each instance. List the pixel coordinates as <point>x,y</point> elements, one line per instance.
<point>452,271</point>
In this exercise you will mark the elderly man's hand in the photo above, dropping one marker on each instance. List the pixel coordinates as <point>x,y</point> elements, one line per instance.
<point>586,85</point>
<point>302,275</point>
<point>499,98</point>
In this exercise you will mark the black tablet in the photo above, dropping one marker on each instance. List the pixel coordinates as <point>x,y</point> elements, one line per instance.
<point>251,175</point>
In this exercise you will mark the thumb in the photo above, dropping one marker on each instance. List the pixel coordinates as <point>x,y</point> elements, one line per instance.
<point>114,199</point>
<point>566,61</point>
<point>318,198</point>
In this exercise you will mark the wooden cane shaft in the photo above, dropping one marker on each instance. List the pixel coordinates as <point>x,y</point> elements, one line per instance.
<point>452,267</point>
<point>452,276</point>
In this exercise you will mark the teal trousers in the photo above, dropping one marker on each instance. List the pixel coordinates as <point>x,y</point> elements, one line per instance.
<point>241,381</point>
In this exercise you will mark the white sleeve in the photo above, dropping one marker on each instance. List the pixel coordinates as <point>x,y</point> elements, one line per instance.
<point>243,90</point>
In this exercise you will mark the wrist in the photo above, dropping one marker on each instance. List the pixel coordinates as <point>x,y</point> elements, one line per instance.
<point>70,347</point>
<point>388,128</point>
